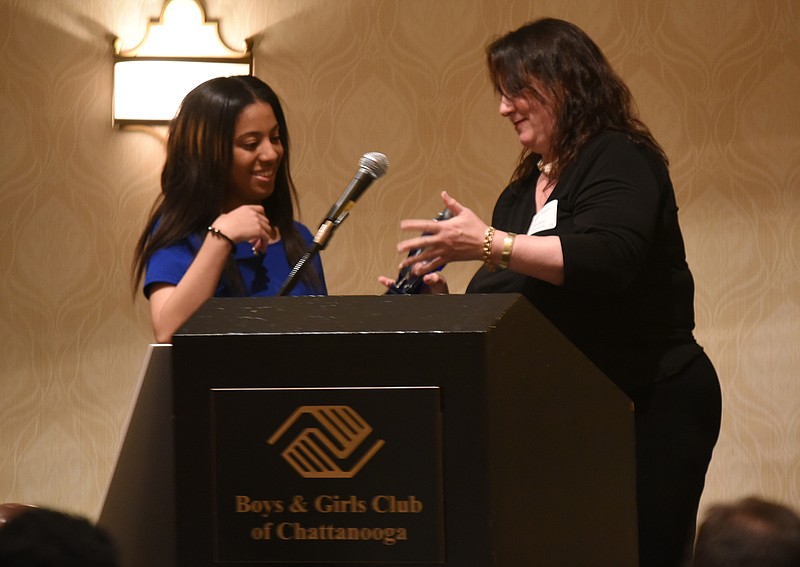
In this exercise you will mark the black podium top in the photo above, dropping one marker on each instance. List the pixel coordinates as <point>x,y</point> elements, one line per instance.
<point>352,314</point>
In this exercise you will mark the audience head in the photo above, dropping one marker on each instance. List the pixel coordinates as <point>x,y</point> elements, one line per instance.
<point>38,537</point>
<point>11,510</point>
<point>749,533</point>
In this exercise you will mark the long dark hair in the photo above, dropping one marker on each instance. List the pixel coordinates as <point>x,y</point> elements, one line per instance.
<point>588,96</point>
<point>195,175</point>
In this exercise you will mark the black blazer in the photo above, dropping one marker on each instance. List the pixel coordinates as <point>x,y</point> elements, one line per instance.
<point>628,296</point>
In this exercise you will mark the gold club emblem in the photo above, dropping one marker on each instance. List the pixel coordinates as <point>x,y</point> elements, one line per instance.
<point>322,451</point>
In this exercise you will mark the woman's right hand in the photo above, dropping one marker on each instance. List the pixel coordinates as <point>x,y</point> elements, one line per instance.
<point>247,223</point>
<point>459,238</point>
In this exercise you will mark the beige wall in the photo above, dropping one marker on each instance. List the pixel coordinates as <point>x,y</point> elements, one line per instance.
<point>717,81</point>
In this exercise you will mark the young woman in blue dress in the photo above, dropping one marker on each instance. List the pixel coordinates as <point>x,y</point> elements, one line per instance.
<point>223,224</point>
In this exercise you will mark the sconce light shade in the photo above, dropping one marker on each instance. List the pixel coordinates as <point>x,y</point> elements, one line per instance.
<point>179,51</point>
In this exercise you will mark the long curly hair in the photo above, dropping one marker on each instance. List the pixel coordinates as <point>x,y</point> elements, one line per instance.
<point>199,158</point>
<point>586,94</point>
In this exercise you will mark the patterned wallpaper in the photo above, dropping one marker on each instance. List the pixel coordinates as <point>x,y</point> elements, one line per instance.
<point>717,81</point>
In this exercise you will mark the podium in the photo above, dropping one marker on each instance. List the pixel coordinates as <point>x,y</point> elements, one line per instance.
<point>459,430</point>
<point>138,510</point>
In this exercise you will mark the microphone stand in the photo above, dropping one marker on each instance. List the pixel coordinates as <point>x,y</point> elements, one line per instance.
<point>320,242</point>
<point>288,284</point>
<point>370,167</point>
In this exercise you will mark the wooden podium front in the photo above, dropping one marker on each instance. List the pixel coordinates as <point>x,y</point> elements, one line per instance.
<point>457,430</point>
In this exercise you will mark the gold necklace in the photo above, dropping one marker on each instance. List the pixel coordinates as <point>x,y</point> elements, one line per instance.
<point>545,168</point>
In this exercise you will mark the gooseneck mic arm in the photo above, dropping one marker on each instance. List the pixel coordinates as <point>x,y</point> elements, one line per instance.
<point>370,167</point>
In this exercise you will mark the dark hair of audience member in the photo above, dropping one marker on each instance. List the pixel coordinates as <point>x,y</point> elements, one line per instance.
<point>749,533</point>
<point>47,538</point>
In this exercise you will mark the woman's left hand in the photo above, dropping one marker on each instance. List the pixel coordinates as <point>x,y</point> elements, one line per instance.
<point>457,239</point>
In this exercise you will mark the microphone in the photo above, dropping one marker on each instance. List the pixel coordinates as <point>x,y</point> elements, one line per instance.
<point>371,166</point>
<point>406,282</point>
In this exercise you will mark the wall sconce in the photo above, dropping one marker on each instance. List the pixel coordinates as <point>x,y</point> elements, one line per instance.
<point>179,51</point>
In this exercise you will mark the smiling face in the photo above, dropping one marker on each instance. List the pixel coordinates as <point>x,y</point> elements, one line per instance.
<point>257,154</point>
<point>533,120</point>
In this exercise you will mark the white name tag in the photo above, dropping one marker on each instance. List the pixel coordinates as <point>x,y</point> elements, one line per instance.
<point>544,219</point>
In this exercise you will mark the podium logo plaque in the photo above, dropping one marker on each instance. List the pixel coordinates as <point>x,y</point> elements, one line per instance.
<point>327,475</point>
<point>316,452</point>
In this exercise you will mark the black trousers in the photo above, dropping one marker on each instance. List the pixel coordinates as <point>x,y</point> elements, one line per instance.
<point>677,425</point>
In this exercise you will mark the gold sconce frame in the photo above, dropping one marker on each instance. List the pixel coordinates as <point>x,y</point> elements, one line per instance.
<point>180,50</point>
